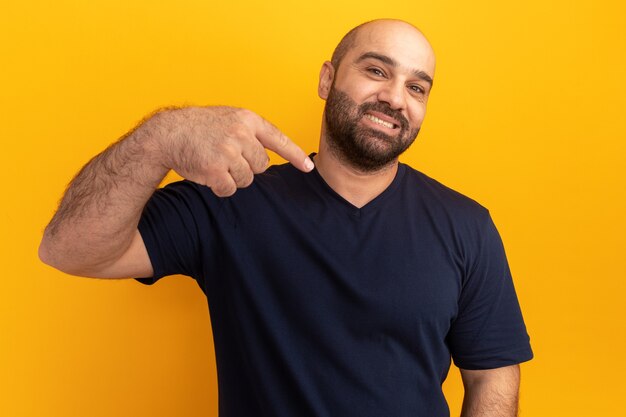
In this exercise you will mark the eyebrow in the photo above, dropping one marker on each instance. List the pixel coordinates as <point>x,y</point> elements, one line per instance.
<point>422,75</point>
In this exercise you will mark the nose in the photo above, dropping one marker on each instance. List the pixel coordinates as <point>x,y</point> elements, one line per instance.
<point>393,93</point>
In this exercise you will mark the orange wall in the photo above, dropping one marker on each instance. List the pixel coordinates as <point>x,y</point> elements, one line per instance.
<point>526,117</point>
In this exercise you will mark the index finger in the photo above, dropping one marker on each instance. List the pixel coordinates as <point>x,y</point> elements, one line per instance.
<point>275,140</point>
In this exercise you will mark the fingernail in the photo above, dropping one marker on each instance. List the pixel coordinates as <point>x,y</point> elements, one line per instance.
<point>308,164</point>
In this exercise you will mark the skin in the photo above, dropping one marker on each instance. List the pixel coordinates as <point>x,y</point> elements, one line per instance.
<point>94,232</point>
<point>379,68</point>
<point>491,392</point>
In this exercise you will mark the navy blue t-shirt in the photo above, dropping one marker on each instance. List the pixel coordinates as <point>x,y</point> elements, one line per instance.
<point>323,309</point>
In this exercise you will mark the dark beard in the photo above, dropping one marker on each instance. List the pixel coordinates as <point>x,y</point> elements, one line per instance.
<point>367,150</point>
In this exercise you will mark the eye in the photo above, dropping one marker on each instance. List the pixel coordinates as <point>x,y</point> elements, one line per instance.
<point>376,71</point>
<point>417,88</point>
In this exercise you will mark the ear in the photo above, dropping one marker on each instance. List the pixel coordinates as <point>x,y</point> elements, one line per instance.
<point>327,74</point>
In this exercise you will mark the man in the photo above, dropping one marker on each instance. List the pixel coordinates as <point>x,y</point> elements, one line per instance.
<point>338,286</point>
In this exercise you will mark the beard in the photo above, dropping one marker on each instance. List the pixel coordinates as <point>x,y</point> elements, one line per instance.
<point>364,148</point>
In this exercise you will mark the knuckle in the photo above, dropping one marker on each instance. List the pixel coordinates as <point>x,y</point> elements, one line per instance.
<point>220,192</point>
<point>244,113</point>
<point>249,178</point>
<point>260,163</point>
<point>237,131</point>
<point>213,173</point>
<point>242,175</point>
<point>228,191</point>
<point>247,117</point>
<point>245,181</point>
<point>283,141</point>
<point>223,188</point>
<point>228,152</point>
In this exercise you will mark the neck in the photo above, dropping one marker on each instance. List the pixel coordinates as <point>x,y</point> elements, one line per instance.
<point>356,187</point>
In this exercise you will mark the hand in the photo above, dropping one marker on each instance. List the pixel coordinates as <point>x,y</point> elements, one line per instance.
<point>223,147</point>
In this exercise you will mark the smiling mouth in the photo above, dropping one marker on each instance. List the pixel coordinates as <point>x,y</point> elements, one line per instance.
<point>380,121</point>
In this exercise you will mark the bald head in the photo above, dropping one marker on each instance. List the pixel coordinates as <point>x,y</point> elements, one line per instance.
<point>374,28</point>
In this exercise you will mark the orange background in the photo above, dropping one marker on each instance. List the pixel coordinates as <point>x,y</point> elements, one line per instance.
<point>526,117</point>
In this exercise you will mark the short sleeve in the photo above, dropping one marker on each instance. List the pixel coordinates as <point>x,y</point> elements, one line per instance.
<point>489,330</point>
<point>170,226</point>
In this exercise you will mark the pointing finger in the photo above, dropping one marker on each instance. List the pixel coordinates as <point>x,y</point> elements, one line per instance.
<point>256,156</point>
<point>272,138</point>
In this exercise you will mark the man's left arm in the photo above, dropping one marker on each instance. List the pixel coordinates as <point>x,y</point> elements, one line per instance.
<point>491,392</point>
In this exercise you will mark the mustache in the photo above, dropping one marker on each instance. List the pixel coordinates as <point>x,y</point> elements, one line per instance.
<point>385,109</point>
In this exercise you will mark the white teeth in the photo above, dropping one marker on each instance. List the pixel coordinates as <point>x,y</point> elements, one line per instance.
<point>379,121</point>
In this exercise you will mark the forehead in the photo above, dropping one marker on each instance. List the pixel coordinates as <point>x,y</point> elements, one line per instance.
<point>397,40</point>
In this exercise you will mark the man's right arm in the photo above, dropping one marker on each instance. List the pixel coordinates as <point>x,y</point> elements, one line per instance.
<point>94,231</point>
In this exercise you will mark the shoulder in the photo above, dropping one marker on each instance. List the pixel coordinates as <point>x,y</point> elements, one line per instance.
<point>279,175</point>
<point>276,176</point>
<point>437,197</point>
<point>281,183</point>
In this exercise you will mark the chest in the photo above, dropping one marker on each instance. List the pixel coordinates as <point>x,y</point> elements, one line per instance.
<point>368,273</point>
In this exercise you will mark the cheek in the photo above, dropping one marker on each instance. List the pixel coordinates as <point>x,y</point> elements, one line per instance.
<point>417,114</point>
<point>362,93</point>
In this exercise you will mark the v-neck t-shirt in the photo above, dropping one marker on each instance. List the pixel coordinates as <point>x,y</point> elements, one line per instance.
<point>323,309</point>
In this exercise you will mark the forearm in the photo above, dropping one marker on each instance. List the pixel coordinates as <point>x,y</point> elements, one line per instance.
<point>100,210</point>
<point>94,232</point>
<point>491,393</point>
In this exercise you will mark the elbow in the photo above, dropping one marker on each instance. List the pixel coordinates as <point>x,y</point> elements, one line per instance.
<point>44,252</point>
<point>71,257</point>
<point>52,255</point>
<point>49,256</point>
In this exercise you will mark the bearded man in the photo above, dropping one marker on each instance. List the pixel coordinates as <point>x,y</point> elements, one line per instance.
<point>339,284</point>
